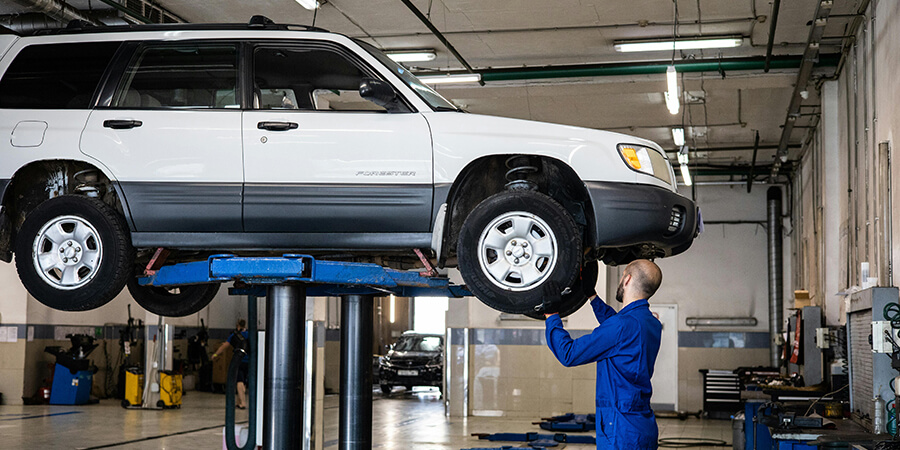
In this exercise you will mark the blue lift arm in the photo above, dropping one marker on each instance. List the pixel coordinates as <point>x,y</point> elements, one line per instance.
<point>328,277</point>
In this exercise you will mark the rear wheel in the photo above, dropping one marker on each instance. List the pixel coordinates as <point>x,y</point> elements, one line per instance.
<point>172,302</point>
<point>514,242</point>
<point>73,253</point>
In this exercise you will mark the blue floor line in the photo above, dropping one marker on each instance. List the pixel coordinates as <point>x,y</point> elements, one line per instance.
<point>43,415</point>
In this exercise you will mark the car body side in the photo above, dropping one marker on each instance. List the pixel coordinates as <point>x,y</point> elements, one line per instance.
<point>445,146</point>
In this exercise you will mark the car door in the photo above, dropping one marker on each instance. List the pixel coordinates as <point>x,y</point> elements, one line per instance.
<point>171,135</point>
<point>318,158</point>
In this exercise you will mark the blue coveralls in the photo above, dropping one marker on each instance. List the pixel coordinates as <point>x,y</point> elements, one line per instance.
<point>624,347</point>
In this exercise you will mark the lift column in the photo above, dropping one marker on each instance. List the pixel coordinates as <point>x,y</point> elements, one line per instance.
<point>283,389</point>
<point>355,427</point>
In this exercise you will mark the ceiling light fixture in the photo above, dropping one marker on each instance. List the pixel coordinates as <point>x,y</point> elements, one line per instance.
<point>412,55</point>
<point>678,136</point>
<point>686,44</point>
<point>672,90</point>
<point>445,79</point>
<point>309,4</point>
<point>683,161</point>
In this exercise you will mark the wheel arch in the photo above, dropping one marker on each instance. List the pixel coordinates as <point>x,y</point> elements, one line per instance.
<point>487,175</point>
<point>51,178</point>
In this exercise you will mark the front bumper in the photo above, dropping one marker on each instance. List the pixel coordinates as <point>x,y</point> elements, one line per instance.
<point>632,215</point>
<point>424,376</point>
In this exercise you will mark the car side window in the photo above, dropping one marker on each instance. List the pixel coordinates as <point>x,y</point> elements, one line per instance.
<point>301,78</point>
<point>55,76</point>
<point>182,76</point>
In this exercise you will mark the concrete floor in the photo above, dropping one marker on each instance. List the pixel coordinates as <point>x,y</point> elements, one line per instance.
<point>401,421</point>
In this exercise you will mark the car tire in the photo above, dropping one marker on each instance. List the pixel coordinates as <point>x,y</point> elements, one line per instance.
<point>581,291</point>
<point>177,302</point>
<point>386,389</point>
<point>494,255</point>
<point>58,274</point>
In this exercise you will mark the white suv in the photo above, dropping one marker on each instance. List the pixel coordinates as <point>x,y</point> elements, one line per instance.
<point>125,143</point>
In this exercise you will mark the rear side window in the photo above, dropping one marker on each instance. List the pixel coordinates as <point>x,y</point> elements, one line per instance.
<point>55,76</point>
<point>191,76</point>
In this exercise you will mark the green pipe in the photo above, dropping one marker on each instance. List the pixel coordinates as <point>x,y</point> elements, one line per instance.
<point>792,62</point>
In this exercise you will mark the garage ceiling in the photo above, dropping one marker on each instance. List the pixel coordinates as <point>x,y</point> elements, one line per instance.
<point>724,110</point>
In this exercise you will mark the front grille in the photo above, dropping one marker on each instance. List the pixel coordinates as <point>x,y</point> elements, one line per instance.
<point>676,220</point>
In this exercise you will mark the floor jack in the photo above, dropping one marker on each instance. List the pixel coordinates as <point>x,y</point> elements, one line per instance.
<point>285,282</point>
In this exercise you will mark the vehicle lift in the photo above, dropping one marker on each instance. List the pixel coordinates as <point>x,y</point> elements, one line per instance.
<point>286,282</point>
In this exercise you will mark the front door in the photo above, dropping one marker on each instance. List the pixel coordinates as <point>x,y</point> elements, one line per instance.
<point>172,137</point>
<point>318,158</point>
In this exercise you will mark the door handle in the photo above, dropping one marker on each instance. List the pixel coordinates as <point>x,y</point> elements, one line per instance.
<point>277,126</point>
<point>122,124</point>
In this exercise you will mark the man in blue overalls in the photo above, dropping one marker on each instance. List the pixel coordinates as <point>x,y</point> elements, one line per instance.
<point>624,347</point>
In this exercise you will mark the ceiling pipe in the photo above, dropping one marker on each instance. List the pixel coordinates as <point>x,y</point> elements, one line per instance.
<point>820,19</point>
<point>772,24</point>
<point>644,68</point>
<point>425,21</point>
<point>29,22</point>
<point>753,163</point>
<point>57,10</point>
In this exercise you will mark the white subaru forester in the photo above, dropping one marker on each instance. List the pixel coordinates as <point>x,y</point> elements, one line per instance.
<point>127,142</point>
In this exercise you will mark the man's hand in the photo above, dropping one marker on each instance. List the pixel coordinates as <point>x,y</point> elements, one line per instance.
<point>552,298</point>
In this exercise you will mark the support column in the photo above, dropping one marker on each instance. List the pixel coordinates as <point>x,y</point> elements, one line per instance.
<point>355,427</point>
<point>283,394</point>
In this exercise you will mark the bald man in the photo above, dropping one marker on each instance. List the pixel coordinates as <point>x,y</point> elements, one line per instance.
<point>624,347</point>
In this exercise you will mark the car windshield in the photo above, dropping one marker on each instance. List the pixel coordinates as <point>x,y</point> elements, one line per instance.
<point>418,344</point>
<point>435,100</point>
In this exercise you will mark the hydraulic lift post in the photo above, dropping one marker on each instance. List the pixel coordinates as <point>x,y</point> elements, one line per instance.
<point>283,388</point>
<point>355,425</point>
<point>287,281</point>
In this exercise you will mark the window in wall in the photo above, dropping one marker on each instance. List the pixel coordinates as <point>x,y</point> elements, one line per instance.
<point>307,79</point>
<point>55,76</point>
<point>195,76</point>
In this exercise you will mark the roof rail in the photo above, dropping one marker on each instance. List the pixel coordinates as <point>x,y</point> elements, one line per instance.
<point>255,23</point>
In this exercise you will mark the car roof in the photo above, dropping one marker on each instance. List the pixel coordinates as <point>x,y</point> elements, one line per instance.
<point>256,23</point>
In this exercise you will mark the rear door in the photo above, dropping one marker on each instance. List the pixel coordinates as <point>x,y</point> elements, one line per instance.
<point>318,158</point>
<point>171,135</point>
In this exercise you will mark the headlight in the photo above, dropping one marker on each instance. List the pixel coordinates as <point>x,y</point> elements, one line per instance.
<point>645,160</point>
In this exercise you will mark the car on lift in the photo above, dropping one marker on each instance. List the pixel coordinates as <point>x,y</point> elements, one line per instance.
<point>416,359</point>
<point>130,147</point>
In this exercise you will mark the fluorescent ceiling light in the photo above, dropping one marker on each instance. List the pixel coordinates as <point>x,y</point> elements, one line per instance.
<point>678,136</point>
<point>672,90</point>
<point>686,44</point>
<point>444,79</point>
<point>685,175</point>
<point>309,4</point>
<point>412,55</point>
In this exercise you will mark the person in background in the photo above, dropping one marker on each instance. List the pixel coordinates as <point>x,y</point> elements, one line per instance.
<point>238,339</point>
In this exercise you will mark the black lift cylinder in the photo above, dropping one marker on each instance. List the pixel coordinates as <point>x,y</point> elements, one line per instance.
<point>285,333</point>
<point>355,428</point>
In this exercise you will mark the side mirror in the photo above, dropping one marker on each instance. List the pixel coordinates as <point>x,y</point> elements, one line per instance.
<point>378,92</point>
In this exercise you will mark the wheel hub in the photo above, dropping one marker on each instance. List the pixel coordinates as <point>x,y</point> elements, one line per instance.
<point>517,251</point>
<point>67,252</point>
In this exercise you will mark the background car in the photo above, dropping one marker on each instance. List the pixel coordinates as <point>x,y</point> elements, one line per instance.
<point>414,360</point>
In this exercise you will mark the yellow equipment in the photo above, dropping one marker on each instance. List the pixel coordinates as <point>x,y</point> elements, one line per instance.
<point>170,389</point>
<point>134,387</point>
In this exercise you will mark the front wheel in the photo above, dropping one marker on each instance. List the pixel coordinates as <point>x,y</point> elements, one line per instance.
<point>73,253</point>
<point>514,242</point>
<point>172,302</point>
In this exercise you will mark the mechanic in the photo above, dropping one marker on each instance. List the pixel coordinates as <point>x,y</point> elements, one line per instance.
<point>238,339</point>
<point>624,347</point>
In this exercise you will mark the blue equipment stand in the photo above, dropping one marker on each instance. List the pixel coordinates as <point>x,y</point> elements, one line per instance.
<point>286,282</point>
<point>70,388</point>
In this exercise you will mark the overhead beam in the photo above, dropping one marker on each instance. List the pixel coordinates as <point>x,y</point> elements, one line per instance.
<point>773,23</point>
<point>427,22</point>
<point>817,29</point>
